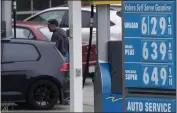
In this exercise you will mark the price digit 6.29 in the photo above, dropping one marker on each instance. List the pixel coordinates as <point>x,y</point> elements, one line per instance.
<point>155,25</point>
<point>154,77</point>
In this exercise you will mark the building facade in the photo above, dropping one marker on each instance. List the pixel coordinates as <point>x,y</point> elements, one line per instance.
<point>26,8</point>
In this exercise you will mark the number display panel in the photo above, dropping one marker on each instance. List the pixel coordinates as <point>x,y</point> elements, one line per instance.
<point>150,44</point>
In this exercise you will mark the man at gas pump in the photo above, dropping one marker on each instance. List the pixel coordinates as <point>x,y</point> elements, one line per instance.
<point>59,37</point>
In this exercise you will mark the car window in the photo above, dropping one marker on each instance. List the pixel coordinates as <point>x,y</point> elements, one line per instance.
<point>17,52</point>
<point>23,33</point>
<point>85,20</point>
<point>44,17</point>
<point>65,21</point>
<point>45,31</point>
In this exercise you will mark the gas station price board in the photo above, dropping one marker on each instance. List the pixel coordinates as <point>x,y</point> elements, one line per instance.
<point>146,104</point>
<point>150,44</point>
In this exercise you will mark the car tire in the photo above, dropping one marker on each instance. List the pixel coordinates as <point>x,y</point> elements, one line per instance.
<point>43,90</point>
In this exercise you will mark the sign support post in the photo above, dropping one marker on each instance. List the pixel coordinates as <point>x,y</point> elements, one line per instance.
<point>75,48</point>
<point>7,16</point>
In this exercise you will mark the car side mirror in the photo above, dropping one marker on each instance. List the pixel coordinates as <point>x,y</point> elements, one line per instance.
<point>67,32</point>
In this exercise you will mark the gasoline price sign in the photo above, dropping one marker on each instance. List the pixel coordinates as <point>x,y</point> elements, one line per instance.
<point>150,44</point>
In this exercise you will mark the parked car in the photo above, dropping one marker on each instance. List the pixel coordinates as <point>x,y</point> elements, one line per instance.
<point>34,73</point>
<point>39,31</point>
<point>61,14</point>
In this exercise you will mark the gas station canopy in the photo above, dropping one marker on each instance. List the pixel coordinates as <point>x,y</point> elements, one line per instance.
<point>100,2</point>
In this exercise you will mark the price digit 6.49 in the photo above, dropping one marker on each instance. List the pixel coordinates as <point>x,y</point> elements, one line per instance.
<point>154,76</point>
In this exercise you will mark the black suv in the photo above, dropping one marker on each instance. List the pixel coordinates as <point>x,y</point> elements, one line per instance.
<point>34,73</point>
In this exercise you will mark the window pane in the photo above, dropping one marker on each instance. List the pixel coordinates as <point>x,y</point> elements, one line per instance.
<point>58,15</point>
<point>22,33</point>
<point>40,4</point>
<point>14,52</point>
<point>45,31</point>
<point>23,5</point>
<point>58,2</point>
<point>23,16</point>
<point>65,21</point>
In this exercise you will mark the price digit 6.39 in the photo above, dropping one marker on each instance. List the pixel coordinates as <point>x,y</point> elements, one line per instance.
<point>154,54</point>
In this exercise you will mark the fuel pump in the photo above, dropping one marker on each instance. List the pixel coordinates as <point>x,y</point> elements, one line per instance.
<point>108,75</point>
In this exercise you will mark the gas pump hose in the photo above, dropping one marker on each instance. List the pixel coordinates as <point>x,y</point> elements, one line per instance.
<point>14,16</point>
<point>86,73</point>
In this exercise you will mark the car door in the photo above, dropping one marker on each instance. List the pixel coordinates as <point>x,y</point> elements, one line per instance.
<point>15,74</point>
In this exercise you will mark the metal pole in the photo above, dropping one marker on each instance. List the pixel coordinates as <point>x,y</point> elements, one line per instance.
<point>75,48</point>
<point>176,51</point>
<point>32,7</point>
<point>103,31</point>
<point>103,35</point>
<point>7,16</point>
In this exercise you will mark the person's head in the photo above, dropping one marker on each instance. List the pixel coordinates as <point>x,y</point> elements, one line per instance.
<point>52,24</point>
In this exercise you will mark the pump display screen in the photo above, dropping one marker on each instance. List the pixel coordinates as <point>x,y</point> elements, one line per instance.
<point>146,104</point>
<point>150,44</point>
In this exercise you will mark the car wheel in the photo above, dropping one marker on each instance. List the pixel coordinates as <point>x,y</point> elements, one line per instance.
<point>43,95</point>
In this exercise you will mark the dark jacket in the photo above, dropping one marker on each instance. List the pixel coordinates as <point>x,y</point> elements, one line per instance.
<point>60,37</point>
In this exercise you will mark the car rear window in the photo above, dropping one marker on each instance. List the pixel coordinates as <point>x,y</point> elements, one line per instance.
<point>18,52</point>
<point>45,31</point>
